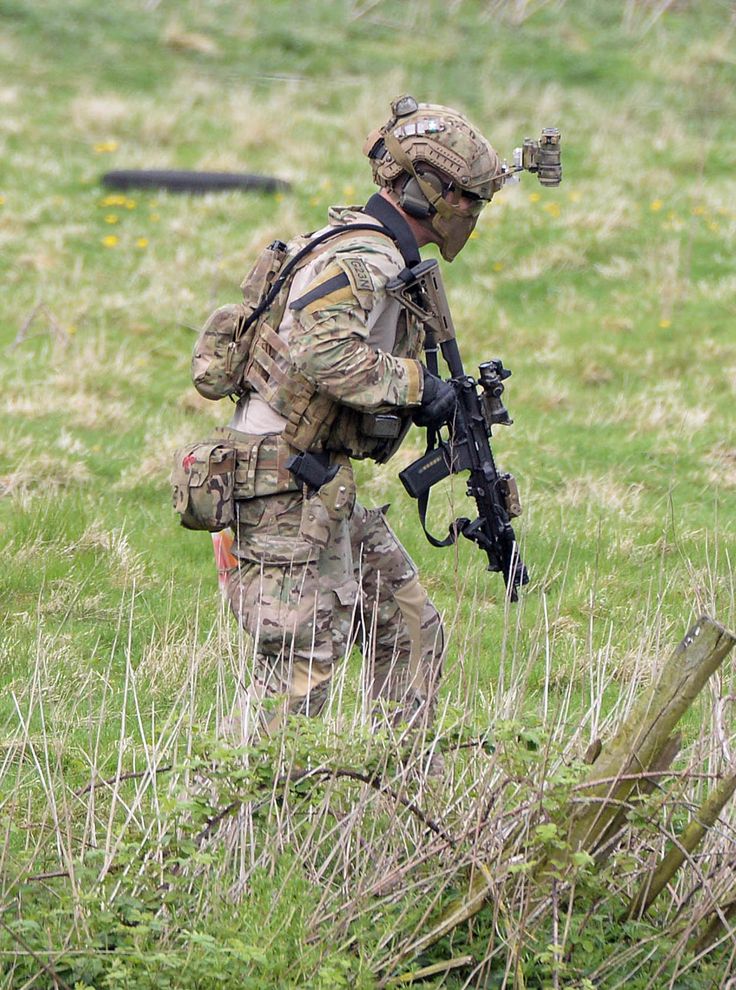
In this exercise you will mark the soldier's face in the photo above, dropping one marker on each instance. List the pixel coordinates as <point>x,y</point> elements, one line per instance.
<point>452,233</point>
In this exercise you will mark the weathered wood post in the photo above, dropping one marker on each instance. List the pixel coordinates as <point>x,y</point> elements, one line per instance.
<point>640,740</point>
<point>610,838</point>
<point>686,844</point>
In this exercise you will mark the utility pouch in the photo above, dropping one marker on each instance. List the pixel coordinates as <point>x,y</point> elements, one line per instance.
<point>323,511</point>
<point>382,425</point>
<point>203,479</point>
<point>257,283</point>
<point>224,344</point>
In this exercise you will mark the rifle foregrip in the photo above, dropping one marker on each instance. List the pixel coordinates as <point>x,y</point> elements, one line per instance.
<point>419,477</point>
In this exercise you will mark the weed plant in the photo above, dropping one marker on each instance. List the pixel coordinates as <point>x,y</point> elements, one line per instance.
<point>611,298</point>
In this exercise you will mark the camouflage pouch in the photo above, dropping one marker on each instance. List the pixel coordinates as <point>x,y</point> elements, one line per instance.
<point>224,344</point>
<point>203,479</point>
<point>324,511</point>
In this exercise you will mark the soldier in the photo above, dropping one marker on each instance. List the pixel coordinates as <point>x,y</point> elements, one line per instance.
<point>339,376</point>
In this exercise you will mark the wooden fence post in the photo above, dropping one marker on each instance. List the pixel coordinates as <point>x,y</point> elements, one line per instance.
<point>686,844</point>
<point>639,741</point>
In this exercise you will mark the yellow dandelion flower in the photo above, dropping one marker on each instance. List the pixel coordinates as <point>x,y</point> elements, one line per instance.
<point>314,200</point>
<point>552,208</point>
<point>574,196</point>
<point>114,200</point>
<point>535,197</point>
<point>130,204</point>
<point>105,147</point>
<point>713,226</point>
<point>656,205</point>
<point>279,197</point>
<point>473,235</point>
<point>2,201</point>
<point>142,242</point>
<point>111,218</point>
<point>348,190</point>
<point>110,241</point>
<point>664,324</point>
<point>154,217</point>
<point>698,211</point>
<point>71,330</point>
<point>498,266</point>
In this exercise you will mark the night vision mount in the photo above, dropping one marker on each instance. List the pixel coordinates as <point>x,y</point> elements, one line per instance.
<point>542,157</point>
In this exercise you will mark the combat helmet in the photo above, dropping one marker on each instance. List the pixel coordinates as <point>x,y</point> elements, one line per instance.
<point>438,149</point>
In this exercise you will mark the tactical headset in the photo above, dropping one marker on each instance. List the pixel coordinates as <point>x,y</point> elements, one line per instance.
<point>413,200</point>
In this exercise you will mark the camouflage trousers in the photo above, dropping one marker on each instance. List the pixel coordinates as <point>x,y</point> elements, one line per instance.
<point>316,577</point>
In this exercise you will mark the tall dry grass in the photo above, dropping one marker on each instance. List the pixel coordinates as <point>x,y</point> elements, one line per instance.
<point>359,814</point>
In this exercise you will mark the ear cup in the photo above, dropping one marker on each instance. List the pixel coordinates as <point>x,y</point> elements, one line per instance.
<point>413,200</point>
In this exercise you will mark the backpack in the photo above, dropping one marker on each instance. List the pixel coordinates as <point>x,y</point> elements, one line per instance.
<point>224,343</point>
<point>223,348</point>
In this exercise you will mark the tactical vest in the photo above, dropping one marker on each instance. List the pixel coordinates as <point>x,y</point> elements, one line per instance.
<point>315,421</point>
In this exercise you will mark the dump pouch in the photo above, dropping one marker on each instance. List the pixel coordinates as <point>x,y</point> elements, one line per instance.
<point>203,480</point>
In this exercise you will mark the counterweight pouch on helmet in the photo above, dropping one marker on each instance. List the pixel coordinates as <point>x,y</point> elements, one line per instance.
<point>203,479</point>
<point>223,347</point>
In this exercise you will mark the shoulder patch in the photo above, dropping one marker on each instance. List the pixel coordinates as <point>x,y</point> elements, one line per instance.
<point>358,273</point>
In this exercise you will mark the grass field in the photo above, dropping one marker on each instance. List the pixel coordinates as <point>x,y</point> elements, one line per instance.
<point>612,298</point>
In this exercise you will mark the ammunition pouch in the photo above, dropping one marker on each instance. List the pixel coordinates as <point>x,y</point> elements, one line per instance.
<point>376,436</point>
<point>384,426</point>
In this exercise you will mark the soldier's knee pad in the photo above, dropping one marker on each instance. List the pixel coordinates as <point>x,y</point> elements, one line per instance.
<point>422,619</point>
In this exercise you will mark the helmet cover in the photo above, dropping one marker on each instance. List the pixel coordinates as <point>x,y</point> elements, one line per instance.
<point>428,134</point>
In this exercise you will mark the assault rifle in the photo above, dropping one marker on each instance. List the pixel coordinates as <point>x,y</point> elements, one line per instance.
<point>467,448</point>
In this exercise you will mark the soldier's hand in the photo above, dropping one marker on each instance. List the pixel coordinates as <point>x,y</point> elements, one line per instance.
<point>438,402</point>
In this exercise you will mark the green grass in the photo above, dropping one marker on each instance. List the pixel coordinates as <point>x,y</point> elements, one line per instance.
<point>610,297</point>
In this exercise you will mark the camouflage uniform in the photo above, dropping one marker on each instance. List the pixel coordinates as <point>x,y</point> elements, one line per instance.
<point>319,573</point>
